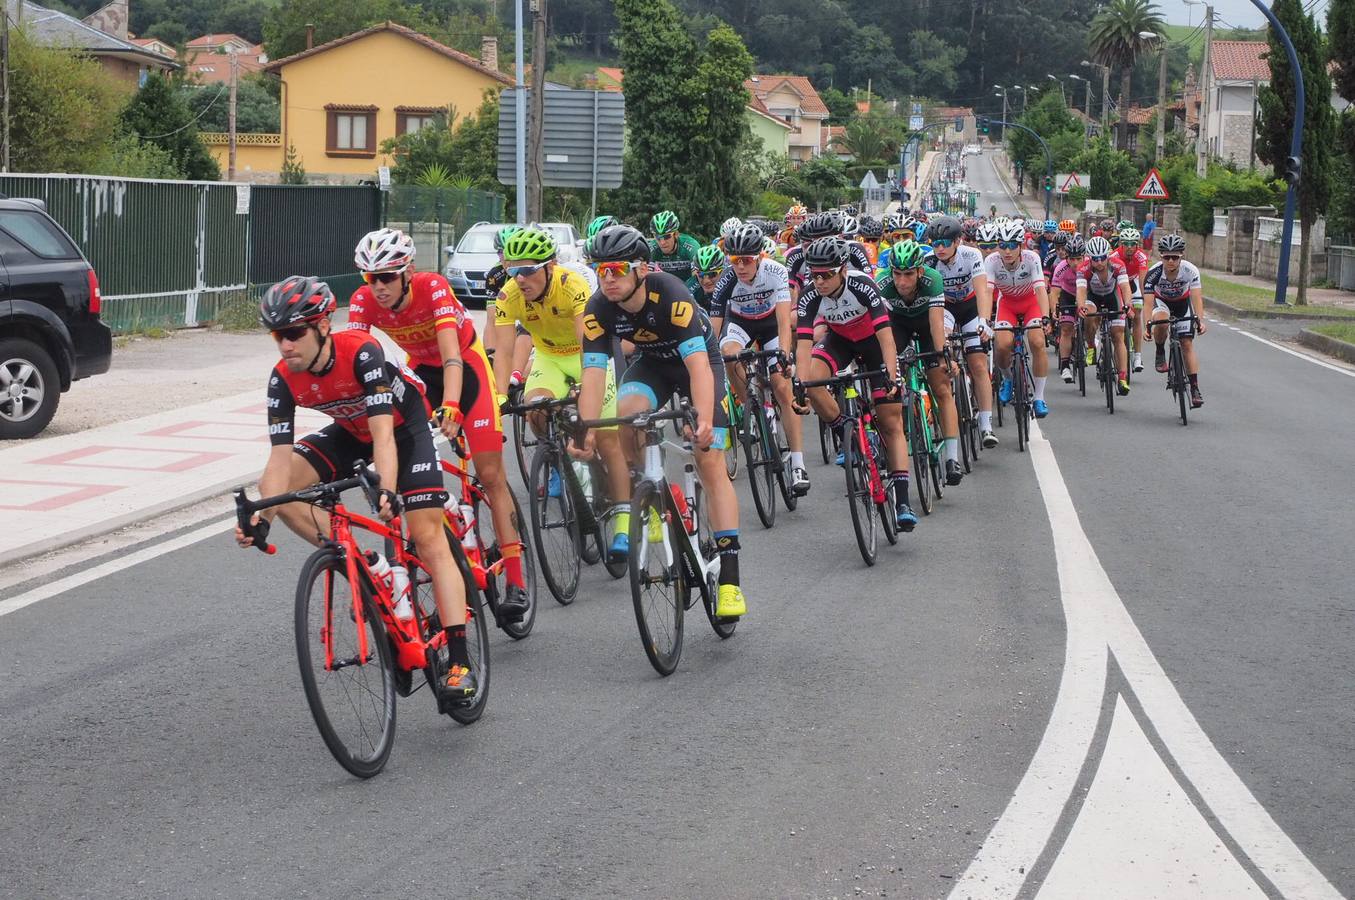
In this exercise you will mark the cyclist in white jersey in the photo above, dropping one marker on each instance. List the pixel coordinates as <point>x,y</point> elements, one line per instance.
<point>1017,274</point>
<point>1172,289</point>
<point>969,306</point>
<point>751,304</point>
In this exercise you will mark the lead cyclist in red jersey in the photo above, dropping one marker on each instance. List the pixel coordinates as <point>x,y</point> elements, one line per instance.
<point>1136,265</point>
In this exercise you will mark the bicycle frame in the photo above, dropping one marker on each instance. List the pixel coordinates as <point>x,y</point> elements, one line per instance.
<point>472,490</point>
<point>859,415</point>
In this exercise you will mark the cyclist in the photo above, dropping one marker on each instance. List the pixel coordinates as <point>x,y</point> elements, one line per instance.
<point>1063,299</point>
<point>1173,288</point>
<point>548,301</point>
<point>671,250</point>
<point>969,307</point>
<point>676,351</point>
<point>1044,243</point>
<point>1068,226</point>
<point>600,223</point>
<point>1135,264</point>
<point>794,216</point>
<point>986,239</point>
<point>420,313</point>
<point>817,226</point>
<point>751,305</point>
<point>1019,277</point>
<point>1103,286</point>
<point>710,265</point>
<point>871,232</point>
<point>380,414</point>
<point>915,294</point>
<point>858,331</point>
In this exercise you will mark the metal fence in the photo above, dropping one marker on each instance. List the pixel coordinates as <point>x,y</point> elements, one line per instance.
<point>310,230</point>
<point>1341,267</point>
<point>443,213</point>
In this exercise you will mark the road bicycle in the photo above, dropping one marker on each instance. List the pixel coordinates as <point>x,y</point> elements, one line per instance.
<point>1178,382</point>
<point>1023,384</point>
<point>354,653</point>
<point>920,424</point>
<point>760,435</point>
<point>1106,373</point>
<point>569,507</point>
<point>672,546</point>
<point>471,522</point>
<point>524,441</point>
<point>869,493</point>
<point>1080,354</point>
<point>829,442</point>
<point>966,407</point>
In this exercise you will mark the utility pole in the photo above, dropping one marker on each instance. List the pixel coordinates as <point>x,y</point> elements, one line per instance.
<point>1251,147</point>
<point>4,89</point>
<point>230,116</point>
<point>535,170</point>
<point>1206,78</point>
<point>520,120</point>
<point>1162,102</point>
<point>1105,100</point>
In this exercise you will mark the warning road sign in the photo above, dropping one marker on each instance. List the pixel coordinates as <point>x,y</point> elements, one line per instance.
<point>1152,187</point>
<point>1066,181</point>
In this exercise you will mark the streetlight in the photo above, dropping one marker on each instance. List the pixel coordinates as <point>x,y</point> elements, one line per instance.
<point>1163,45</point>
<point>1088,111</point>
<point>1062,93</point>
<point>1022,89</point>
<point>1105,91</point>
<point>1004,107</point>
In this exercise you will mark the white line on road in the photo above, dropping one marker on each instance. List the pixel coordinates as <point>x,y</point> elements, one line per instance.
<point>1097,624</point>
<point>1283,349</point>
<point>61,585</point>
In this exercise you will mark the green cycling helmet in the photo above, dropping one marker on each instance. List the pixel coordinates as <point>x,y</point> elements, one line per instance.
<point>665,222</point>
<point>503,234</point>
<point>600,223</point>
<point>530,243</point>
<point>709,259</point>
<point>906,255</point>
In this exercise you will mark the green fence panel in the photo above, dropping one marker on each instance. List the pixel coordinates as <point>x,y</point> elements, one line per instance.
<point>449,210</point>
<point>308,229</point>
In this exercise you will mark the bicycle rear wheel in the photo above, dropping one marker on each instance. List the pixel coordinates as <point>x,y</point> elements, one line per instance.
<point>858,493</point>
<point>351,695</point>
<point>919,453</point>
<point>887,508</point>
<point>489,540</point>
<point>964,413</point>
<point>705,545</point>
<point>555,526</point>
<point>477,634</point>
<point>658,588</point>
<point>761,478</point>
<point>1179,380</point>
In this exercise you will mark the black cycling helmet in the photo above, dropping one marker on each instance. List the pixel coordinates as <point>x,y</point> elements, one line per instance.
<point>746,240</point>
<point>821,225</point>
<point>1059,238</point>
<point>618,243</point>
<point>970,229</point>
<point>295,299</point>
<point>945,228</point>
<point>1076,245</point>
<point>769,228</point>
<point>1171,243</point>
<point>872,228</point>
<point>827,252</point>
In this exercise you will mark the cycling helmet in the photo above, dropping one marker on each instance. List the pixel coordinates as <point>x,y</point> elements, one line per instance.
<point>970,230</point>
<point>1123,224</point>
<point>1107,226</point>
<point>1050,225</point>
<point>600,223</point>
<point>1068,225</point>
<point>665,222</point>
<point>1011,231</point>
<point>732,224</point>
<point>987,233</point>
<point>892,222</point>
<point>745,240</point>
<point>296,298</point>
<point>618,243</point>
<point>906,255</point>
<point>768,246</point>
<point>821,225</point>
<point>1075,245</point>
<point>850,210</point>
<point>944,228</point>
<point>827,252</point>
<point>709,259</point>
<point>1130,236</point>
<point>529,243</point>
<point>871,228</point>
<point>1098,247</point>
<point>1171,243</point>
<point>850,227</point>
<point>796,214</point>
<point>1059,238</point>
<point>769,228</point>
<point>384,250</point>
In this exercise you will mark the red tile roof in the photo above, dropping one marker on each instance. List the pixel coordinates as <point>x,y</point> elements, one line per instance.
<point>463,58</point>
<point>810,101</point>
<point>216,40</point>
<point>1239,60</point>
<point>828,135</point>
<point>1141,115</point>
<point>950,112</point>
<point>616,75</point>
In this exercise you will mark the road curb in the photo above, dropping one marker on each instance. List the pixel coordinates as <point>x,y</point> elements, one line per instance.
<point>1244,313</point>
<point>1342,350</point>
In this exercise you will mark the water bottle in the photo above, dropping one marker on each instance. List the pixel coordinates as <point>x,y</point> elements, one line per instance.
<point>404,610</point>
<point>770,412</point>
<point>468,520</point>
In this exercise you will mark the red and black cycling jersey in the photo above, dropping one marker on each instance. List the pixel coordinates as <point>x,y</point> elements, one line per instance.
<point>432,307</point>
<point>856,312</point>
<point>857,258</point>
<point>354,385</point>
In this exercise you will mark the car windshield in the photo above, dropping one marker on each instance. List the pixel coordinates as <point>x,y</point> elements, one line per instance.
<point>481,241</point>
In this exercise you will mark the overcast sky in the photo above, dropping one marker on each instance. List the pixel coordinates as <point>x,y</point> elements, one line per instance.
<point>1239,13</point>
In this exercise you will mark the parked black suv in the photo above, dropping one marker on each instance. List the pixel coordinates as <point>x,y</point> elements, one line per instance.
<point>50,333</point>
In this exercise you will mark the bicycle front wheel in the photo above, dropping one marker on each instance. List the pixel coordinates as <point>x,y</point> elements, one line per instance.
<point>658,588</point>
<point>345,663</point>
<point>1179,380</point>
<point>919,453</point>
<point>494,552</point>
<point>705,545</point>
<point>555,525</point>
<point>523,440</point>
<point>1105,368</point>
<point>761,478</point>
<point>1022,403</point>
<point>858,493</point>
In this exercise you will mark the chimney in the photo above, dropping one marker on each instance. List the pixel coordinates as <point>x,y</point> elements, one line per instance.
<point>489,52</point>
<point>310,35</point>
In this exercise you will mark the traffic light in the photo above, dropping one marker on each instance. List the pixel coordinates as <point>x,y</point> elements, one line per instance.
<point>1293,169</point>
<point>983,124</point>
<point>1049,182</point>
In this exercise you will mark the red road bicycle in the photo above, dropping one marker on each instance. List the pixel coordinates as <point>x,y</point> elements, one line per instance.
<point>355,654</point>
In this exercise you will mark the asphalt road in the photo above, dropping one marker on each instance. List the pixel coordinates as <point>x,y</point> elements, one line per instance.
<point>864,731</point>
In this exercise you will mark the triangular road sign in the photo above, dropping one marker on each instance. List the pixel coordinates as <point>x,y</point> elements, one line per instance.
<point>869,182</point>
<point>1152,187</point>
<point>1070,182</point>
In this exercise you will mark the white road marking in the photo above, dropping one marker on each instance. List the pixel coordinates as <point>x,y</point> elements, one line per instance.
<point>1098,624</point>
<point>61,585</point>
<point>1292,352</point>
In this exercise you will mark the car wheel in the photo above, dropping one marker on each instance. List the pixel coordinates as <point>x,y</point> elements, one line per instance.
<point>29,388</point>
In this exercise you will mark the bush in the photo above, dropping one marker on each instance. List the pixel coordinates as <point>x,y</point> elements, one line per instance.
<point>1222,188</point>
<point>1077,198</point>
<point>771,205</point>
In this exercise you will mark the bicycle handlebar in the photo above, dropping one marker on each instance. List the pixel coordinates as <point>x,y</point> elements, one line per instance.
<point>245,508</point>
<point>542,403</point>
<point>645,419</point>
<point>753,355</point>
<point>845,378</point>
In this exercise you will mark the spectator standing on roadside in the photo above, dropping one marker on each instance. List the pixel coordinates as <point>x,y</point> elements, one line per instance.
<point>1149,226</point>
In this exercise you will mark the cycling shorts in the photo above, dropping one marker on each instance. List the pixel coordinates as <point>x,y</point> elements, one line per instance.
<point>973,342</point>
<point>1136,293</point>
<point>658,379</point>
<point>741,332</point>
<point>555,374</point>
<point>839,353</point>
<point>332,452</point>
<point>908,328</point>
<point>479,408</point>
<point>963,310</point>
<point>1010,308</point>
<point>1109,303</point>
<point>1177,308</point>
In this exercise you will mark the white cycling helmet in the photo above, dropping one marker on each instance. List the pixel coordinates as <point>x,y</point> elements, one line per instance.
<point>384,250</point>
<point>987,233</point>
<point>1098,248</point>
<point>850,227</point>
<point>731,225</point>
<point>1011,231</point>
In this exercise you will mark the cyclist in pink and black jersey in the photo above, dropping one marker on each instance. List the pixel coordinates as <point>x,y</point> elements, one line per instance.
<point>1063,300</point>
<point>1103,288</point>
<point>1018,275</point>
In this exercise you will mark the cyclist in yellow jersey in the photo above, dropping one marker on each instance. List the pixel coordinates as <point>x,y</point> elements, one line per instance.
<point>548,300</point>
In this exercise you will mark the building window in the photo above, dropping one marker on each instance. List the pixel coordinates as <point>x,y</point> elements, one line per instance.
<point>350,130</point>
<point>409,119</point>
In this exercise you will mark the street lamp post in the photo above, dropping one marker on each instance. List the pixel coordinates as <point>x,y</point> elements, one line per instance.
<point>1163,45</point>
<point>1062,92</point>
<point>1105,91</point>
<point>1087,113</point>
<point>1022,89</point>
<point>1004,106</point>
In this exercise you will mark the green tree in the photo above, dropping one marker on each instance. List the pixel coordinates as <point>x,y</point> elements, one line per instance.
<point>293,170</point>
<point>871,138</point>
<point>935,64</point>
<point>823,181</point>
<point>715,182</point>
<point>466,149</point>
<point>1276,120</point>
<point>841,107</point>
<point>284,28</point>
<point>257,111</point>
<point>1115,39</point>
<point>63,108</point>
<point>1050,119</point>
<point>1341,47</point>
<point>158,115</point>
<point>128,157</point>
<point>1112,171</point>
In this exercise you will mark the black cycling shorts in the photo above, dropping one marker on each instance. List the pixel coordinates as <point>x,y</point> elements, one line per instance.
<point>658,379</point>
<point>839,353</point>
<point>907,328</point>
<point>333,450</point>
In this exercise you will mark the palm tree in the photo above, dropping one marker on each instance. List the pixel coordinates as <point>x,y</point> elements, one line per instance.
<point>869,138</point>
<point>1116,39</point>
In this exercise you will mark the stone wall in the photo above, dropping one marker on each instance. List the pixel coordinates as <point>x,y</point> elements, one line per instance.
<point>1265,256</point>
<point>1241,234</point>
<point>1169,218</point>
<point>1207,251</point>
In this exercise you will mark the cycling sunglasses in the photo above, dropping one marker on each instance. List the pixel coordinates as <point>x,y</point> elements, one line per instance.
<point>619,268</point>
<point>743,259</point>
<point>987,245</point>
<point>383,277</point>
<point>666,235</point>
<point>1099,258</point>
<point>822,274</point>
<point>711,273</point>
<point>943,242</point>
<point>1171,257</point>
<point>524,271</point>
<point>291,333</point>
<point>1008,245</point>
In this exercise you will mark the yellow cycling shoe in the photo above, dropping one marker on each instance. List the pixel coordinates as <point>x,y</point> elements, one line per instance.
<point>654,528</point>
<point>729,603</point>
